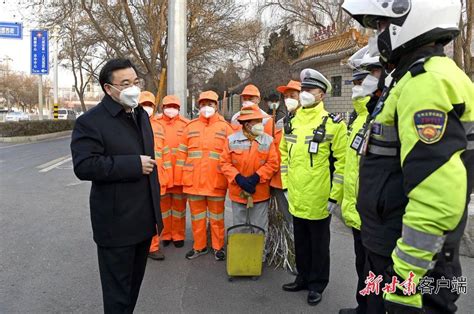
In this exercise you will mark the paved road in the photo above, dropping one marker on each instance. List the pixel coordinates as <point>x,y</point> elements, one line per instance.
<point>48,261</point>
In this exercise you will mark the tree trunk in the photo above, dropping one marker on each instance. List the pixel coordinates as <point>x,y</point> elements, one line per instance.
<point>83,104</point>
<point>458,48</point>
<point>468,39</point>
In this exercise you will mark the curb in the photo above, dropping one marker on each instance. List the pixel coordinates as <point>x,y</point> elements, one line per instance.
<point>34,138</point>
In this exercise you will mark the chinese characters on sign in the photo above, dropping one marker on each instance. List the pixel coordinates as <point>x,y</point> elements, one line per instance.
<point>427,285</point>
<point>11,30</point>
<point>39,52</point>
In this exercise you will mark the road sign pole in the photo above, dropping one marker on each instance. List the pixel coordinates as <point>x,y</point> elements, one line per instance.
<point>40,96</point>
<point>55,91</point>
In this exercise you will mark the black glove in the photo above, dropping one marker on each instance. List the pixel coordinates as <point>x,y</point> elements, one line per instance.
<point>244,184</point>
<point>254,179</point>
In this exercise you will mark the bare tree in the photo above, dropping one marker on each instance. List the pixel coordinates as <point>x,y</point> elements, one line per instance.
<point>462,53</point>
<point>313,13</point>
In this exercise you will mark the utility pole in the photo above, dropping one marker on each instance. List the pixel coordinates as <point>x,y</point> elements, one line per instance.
<point>40,96</point>
<point>177,51</point>
<point>55,60</point>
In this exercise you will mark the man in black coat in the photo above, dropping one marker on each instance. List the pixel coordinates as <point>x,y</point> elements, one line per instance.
<point>112,146</point>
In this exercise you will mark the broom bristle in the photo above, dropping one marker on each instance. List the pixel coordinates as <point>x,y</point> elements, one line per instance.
<point>279,243</point>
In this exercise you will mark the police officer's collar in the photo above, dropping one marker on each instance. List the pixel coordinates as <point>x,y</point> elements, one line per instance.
<point>425,52</point>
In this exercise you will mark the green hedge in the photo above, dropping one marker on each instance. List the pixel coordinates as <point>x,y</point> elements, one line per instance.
<point>29,128</point>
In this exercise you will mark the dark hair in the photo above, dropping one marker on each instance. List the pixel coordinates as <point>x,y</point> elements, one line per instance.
<point>105,76</point>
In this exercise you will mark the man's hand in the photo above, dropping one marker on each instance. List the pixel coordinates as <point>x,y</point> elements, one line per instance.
<point>147,164</point>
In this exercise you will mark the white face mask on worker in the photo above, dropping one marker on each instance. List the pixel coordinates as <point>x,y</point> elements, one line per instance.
<point>291,104</point>
<point>257,129</point>
<point>247,103</point>
<point>207,111</point>
<point>171,112</point>
<point>274,105</point>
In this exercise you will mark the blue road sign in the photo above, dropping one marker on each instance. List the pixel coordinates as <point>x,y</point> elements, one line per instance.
<point>39,52</point>
<point>11,30</point>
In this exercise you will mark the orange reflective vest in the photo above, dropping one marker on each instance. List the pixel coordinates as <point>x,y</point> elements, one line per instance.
<point>197,165</point>
<point>245,157</point>
<point>162,157</point>
<point>173,129</point>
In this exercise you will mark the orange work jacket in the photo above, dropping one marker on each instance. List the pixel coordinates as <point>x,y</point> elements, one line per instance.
<point>197,165</point>
<point>245,157</point>
<point>173,130</point>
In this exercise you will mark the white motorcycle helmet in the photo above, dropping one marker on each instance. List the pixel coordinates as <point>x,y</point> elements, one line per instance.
<point>412,23</point>
<point>364,59</point>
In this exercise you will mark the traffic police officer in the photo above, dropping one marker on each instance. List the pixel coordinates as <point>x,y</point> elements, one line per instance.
<point>313,191</point>
<point>417,173</point>
<point>364,93</point>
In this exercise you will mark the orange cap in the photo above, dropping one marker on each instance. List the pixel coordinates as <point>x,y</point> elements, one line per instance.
<point>251,90</point>
<point>250,113</point>
<point>147,96</point>
<point>171,100</point>
<point>295,85</point>
<point>209,95</point>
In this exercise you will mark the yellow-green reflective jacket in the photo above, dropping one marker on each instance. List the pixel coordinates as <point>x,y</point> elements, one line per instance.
<point>307,176</point>
<point>351,169</point>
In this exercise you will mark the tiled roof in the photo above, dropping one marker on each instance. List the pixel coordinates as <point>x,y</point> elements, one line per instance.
<point>346,41</point>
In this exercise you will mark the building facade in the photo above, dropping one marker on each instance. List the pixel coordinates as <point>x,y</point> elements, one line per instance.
<point>329,56</point>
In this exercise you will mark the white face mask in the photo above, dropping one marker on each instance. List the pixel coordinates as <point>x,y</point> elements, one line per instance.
<point>129,96</point>
<point>247,103</point>
<point>171,112</point>
<point>257,129</point>
<point>274,105</point>
<point>357,92</point>
<point>307,99</point>
<point>207,111</point>
<point>291,104</point>
<point>370,84</point>
<point>148,110</point>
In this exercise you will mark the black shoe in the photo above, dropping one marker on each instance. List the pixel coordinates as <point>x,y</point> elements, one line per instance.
<point>196,253</point>
<point>156,255</point>
<point>294,286</point>
<point>314,297</point>
<point>166,242</point>
<point>219,255</point>
<point>348,311</point>
<point>179,243</point>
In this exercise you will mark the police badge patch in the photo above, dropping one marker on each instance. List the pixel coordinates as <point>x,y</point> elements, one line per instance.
<point>430,125</point>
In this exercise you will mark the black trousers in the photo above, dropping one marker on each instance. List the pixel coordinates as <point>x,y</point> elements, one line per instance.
<point>360,258</point>
<point>121,274</point>
<point>312,238</point>
<point>377,264</point>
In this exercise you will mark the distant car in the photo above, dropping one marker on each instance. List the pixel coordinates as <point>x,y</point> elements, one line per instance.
<point>16,116</point>
<point>66,114</point>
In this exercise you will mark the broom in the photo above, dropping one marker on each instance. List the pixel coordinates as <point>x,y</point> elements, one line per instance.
<point>279,245</point>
